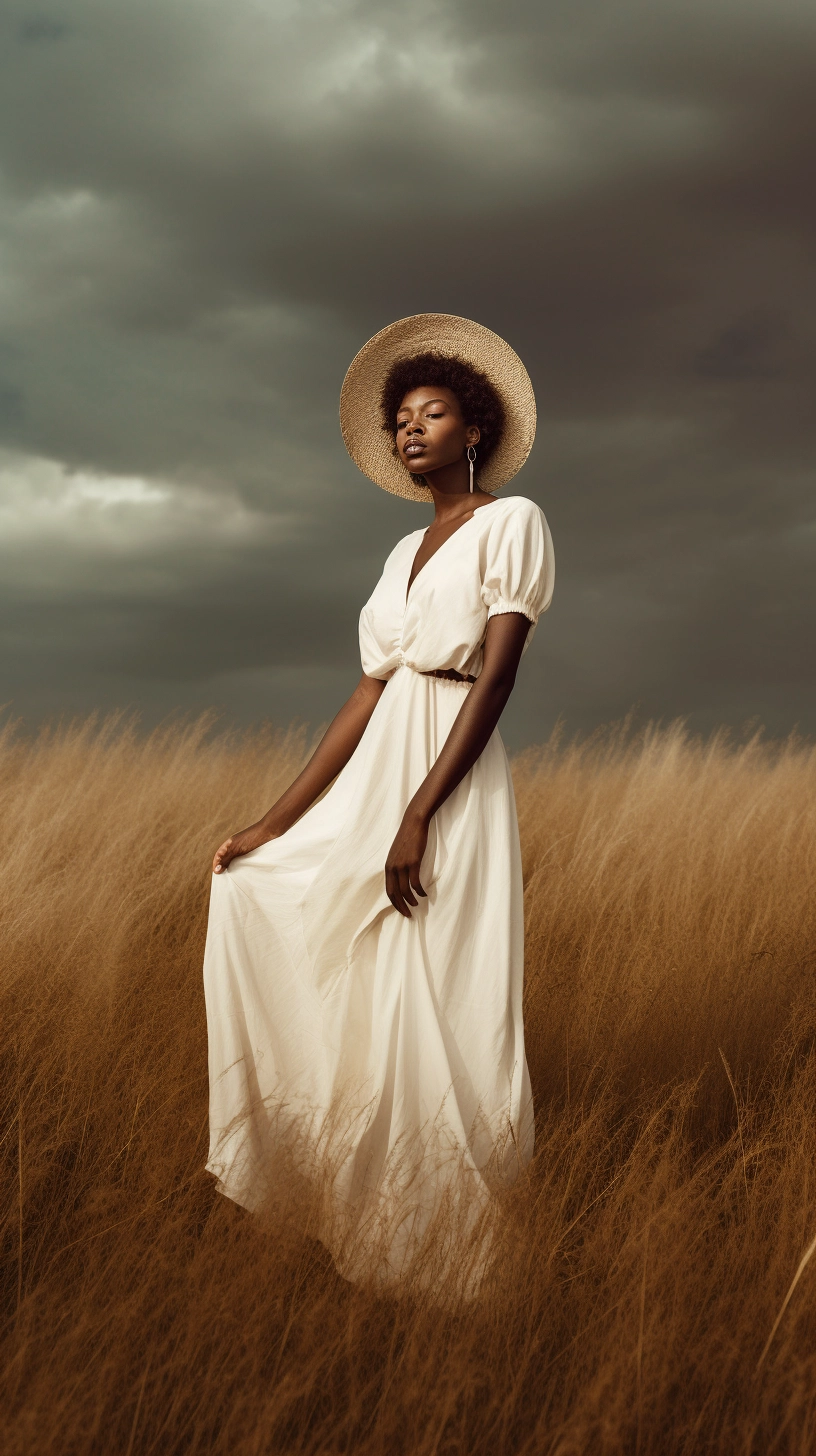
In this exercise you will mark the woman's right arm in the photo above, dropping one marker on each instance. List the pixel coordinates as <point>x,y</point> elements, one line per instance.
<point>331,755</point>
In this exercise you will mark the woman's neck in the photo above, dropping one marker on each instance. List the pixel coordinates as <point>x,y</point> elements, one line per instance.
<point>450,488</point>
<point>450,505</point>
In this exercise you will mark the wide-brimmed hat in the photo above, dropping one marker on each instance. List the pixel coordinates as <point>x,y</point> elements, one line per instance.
<point>371,447</point>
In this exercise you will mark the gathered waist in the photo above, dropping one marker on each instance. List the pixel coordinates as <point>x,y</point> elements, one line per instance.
<point>447,674</point>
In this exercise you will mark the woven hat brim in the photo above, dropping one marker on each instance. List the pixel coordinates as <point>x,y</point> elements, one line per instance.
<point>371,447</point>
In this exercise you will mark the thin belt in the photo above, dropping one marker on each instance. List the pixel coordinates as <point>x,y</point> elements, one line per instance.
<point>449,673</point>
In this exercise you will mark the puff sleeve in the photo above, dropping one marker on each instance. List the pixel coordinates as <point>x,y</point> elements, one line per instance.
<point>519,567</point>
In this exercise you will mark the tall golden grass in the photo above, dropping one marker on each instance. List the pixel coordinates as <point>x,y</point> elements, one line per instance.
<point>645,1255</point>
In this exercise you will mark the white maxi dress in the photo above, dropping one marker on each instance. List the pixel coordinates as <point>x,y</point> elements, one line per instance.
<point>377,1057</point>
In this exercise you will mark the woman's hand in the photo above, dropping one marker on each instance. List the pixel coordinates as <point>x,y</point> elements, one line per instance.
<point>402,880</point>
<point>241,843</point>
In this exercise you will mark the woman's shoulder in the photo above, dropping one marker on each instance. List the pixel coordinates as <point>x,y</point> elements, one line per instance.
<point>520,505</point>
<point>516,509</point>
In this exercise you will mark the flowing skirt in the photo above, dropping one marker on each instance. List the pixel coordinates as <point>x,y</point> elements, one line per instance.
<point>388,1052</point>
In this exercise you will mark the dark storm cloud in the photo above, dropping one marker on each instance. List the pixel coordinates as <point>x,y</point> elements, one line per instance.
<point>207,209</point>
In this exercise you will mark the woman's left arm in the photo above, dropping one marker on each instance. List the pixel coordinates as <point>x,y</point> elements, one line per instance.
<point>478,716</point>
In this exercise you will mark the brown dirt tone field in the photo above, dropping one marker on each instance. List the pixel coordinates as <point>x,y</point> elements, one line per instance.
<point>645,1256</point>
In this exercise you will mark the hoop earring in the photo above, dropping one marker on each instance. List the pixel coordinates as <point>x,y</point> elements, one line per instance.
<point>471,455</point>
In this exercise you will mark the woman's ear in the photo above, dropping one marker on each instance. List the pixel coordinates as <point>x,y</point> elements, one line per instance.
<point>473,434</point>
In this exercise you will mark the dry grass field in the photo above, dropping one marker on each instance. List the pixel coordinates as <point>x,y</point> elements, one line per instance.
<point>644,1258</point>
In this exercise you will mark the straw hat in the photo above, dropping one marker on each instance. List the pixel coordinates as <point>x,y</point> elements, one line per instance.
<point>370,446</point>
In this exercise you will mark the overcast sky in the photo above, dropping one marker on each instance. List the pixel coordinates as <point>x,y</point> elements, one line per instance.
<point>207,208</point>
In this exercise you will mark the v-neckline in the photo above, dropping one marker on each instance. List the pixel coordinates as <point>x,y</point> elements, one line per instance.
<point>440,547</point>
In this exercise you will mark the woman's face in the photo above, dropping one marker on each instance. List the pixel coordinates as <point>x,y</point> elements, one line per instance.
<point>430,429</point>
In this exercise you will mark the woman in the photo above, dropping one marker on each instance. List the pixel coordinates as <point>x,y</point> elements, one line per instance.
<point>364,959</point>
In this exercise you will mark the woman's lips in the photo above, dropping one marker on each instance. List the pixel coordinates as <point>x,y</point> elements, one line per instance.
<point>415,449</point>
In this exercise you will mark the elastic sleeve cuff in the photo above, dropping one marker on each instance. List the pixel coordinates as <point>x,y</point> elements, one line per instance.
<point>500,608</point>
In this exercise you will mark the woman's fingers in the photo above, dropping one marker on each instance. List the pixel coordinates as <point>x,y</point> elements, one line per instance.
<point>401,886</point>
<point>404,877</point>
<point>241,843</point>
<point>414,880</point>
<point>392,891</point>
